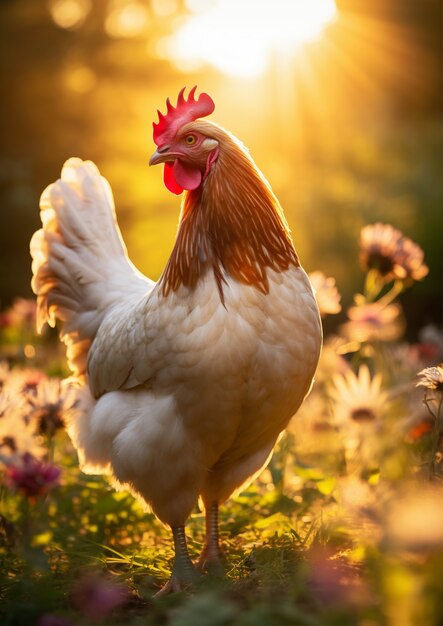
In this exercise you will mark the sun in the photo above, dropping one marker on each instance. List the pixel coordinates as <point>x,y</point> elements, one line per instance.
<point>240,37</point>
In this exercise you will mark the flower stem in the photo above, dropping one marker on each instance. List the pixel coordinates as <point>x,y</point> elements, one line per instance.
<point>395,291</point>
<point>373,285</point>
<point>436,433</point>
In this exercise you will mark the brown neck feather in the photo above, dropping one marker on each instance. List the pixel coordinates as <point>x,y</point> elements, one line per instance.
<point>233,224</point>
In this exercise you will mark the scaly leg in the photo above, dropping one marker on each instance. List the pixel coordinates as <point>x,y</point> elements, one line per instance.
<point>183,573</point>
<point>212,558</point>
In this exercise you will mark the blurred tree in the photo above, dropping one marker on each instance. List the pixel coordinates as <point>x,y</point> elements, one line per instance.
<point>350,128</point>
<point>411,35</point>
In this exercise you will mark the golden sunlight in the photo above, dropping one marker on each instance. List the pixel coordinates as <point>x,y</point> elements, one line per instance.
<point>70,14</point>
<point>240,37</point>
<point>126,18</point>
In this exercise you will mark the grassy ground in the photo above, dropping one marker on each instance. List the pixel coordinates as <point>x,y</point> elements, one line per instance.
<point>345,526</point>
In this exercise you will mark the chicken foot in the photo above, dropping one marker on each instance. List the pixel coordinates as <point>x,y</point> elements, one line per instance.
<point>212,558</point>
<point>183,574</point>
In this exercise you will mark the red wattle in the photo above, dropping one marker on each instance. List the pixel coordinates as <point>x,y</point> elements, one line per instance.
<point>186,176</point>
<point>169,179</point>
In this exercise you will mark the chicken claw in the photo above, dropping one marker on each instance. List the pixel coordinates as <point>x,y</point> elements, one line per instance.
<point>184,575</point>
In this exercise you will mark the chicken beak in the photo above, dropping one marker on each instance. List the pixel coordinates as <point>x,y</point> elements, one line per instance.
<point>161,155</point>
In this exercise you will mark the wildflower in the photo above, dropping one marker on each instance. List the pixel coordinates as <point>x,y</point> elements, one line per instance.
<point>425,354</point>
<point>432,378</point>
<point>359,399</point>
<point>17,435</point>
<point>31,379</point>
<point>22,313</point>
<point>31,476</point>
<point>431,344</point>
<point>50,406</point>
<point>22,382</point>
<point>96,597</point>
<point>410,257</point>
<point>359,405</point>
<point>333,579</point>
<point>394,256</point>
<point>372,321</point>
<point>420,429</point>
<point>326,293</point>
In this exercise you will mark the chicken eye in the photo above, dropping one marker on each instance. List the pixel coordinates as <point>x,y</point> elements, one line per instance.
<point>190,139</point>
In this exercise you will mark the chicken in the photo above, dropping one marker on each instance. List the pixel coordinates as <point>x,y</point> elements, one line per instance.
<point>192,378</point>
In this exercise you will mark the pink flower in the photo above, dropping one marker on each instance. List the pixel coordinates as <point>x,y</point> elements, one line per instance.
<point>326,293</point>
<point>372,321</point>
<point>96,597</point>
<point>333,579</point>
<point>23,312</point>
<point>31,476</point>
<point>50,404</point>
<point>394,256</point>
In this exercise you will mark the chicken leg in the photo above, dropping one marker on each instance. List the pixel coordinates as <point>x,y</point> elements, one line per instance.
<point>212,558</point>
<point>183,573</point>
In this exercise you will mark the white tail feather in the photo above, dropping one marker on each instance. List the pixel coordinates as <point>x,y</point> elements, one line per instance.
<point>80,265</point>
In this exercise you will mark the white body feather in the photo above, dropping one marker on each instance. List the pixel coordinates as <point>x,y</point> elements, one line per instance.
<point>190,394</point>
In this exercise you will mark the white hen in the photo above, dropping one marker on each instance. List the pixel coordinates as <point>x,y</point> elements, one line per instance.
<point>194,377</point>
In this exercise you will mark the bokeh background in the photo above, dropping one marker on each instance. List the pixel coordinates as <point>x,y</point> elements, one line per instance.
<point>339,102</point>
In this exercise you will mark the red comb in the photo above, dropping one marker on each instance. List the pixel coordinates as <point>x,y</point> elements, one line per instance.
<point>185,111</point>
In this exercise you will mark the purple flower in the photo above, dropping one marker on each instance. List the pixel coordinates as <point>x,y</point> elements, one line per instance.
<point>32,476</point>
<point>333,579</point>
<point>95,596</point>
